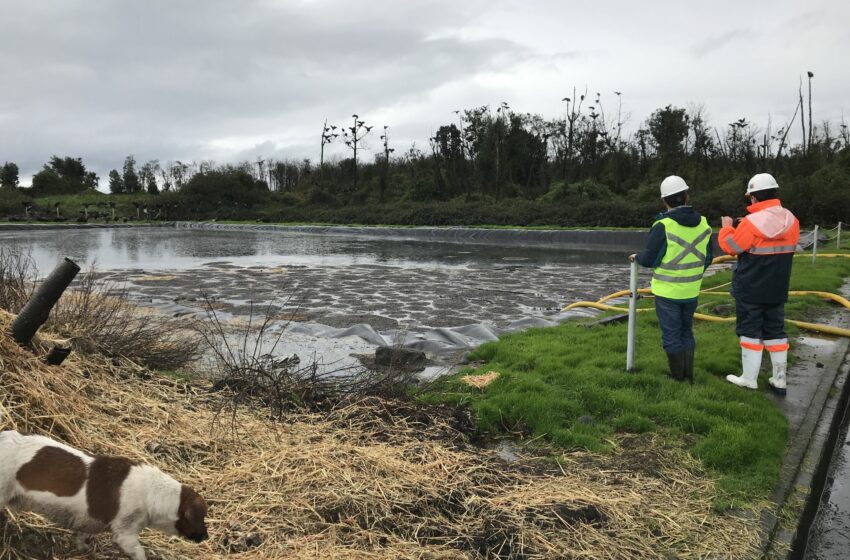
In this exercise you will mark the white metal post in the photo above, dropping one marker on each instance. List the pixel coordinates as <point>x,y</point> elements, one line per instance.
<point>815,245</point>
<point>838,237</point>
<point>630,345</point>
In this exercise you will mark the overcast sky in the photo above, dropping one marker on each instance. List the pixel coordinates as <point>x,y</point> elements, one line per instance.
<point>229,80</point>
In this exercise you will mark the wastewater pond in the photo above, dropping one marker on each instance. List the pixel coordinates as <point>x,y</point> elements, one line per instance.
<point>329,282</point>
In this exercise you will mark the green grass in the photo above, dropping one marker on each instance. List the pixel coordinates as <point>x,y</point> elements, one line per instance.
<point>553,379</point>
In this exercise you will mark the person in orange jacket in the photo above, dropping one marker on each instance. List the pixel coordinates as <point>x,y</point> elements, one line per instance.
<point>764,242</point>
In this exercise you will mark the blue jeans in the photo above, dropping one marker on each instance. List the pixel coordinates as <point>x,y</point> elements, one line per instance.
<point>677,324</point>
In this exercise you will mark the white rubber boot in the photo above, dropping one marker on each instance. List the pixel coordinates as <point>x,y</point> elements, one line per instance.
<point>751,349</point>
<point>778,349</point>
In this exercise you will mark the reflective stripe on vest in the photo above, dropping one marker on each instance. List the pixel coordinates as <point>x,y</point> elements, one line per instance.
<point>773,250</point>
<point>679,275</point>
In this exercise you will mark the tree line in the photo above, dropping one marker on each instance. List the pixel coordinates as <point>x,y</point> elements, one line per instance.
<point>490,155</point>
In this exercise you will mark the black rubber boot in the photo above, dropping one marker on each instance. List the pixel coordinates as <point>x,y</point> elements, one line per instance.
<point>677,365</point>
<point>689,365</point>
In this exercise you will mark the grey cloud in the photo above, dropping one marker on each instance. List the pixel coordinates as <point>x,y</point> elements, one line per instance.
<point>714,43</point>
<point>225,79</point>
<point>163,78</point>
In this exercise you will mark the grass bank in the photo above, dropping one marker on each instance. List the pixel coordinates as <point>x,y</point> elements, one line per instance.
<point>288,209</point>
<point>567,386</point>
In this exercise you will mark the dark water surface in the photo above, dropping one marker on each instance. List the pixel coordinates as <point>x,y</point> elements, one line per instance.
<point>172,248</point>
<point>338,281</point>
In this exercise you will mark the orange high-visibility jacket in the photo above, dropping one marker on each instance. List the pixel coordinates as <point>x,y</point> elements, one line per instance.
<point>765,242</point>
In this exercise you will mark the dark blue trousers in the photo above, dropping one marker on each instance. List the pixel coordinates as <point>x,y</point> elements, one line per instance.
<point>677,324</point>
<point>765,321</point>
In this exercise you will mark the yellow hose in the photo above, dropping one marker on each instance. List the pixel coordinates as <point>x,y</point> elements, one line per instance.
<point>826,295</point>
<point>826,329</point>
<point>727,258</point>
<point>600,306</point>
<point>723,259</point>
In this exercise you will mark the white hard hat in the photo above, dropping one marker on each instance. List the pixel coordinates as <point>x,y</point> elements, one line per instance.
<point>672,185</point>
<point>761,182</point>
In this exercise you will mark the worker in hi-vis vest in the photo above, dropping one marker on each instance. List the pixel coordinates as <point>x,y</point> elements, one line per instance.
<point>765,242</point>
<point>678,251</point>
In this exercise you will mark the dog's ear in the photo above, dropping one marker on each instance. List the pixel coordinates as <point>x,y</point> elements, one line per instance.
<point>191,504</point>
<point>191,515</point>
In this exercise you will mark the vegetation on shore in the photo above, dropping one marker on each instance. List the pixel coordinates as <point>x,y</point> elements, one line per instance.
<point>361,478</point>
<point>495,167</point>
<point>567,385</point>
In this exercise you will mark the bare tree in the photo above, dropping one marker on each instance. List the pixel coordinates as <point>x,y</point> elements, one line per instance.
<point>502,123</point>
<point>387,151</point>
<point>573,114</point>
<point>464,180</point>
<point>329,134</point>
<point>802,117</point>
<point>811,75</point>
<point>787,129</point>
<point>354,135</point>
<point>845,133</point>
<point>165,176</point>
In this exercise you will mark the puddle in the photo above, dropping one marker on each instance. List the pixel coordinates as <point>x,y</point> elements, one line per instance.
<point>817,342</point>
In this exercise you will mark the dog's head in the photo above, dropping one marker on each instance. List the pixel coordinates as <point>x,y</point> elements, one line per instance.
<point>191,516</point>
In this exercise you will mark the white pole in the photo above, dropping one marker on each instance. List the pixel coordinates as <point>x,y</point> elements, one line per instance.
<point>838,237</point>
<point>815,245</point>
<point>630,345</point>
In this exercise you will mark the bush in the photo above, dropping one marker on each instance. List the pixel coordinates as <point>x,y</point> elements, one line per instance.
<point>320,197</point>
<point>226,188</point>
<point>581,191</point>
<point>12,201</point>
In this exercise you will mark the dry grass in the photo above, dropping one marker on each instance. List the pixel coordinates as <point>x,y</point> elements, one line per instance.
<point>97,316</point>
<point>367,479</point>
<point>480,381</point>
<point>17,273</point>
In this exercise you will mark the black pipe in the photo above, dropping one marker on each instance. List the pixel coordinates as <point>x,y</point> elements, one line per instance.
<point>37,309</point>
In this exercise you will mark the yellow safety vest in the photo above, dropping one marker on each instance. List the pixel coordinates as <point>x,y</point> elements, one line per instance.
<point>679,275</point>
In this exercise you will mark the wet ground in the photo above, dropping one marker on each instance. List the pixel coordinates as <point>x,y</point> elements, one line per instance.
<point>829,537</point>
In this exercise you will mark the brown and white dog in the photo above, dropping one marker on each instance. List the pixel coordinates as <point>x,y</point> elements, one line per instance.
<point>90,494</point>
